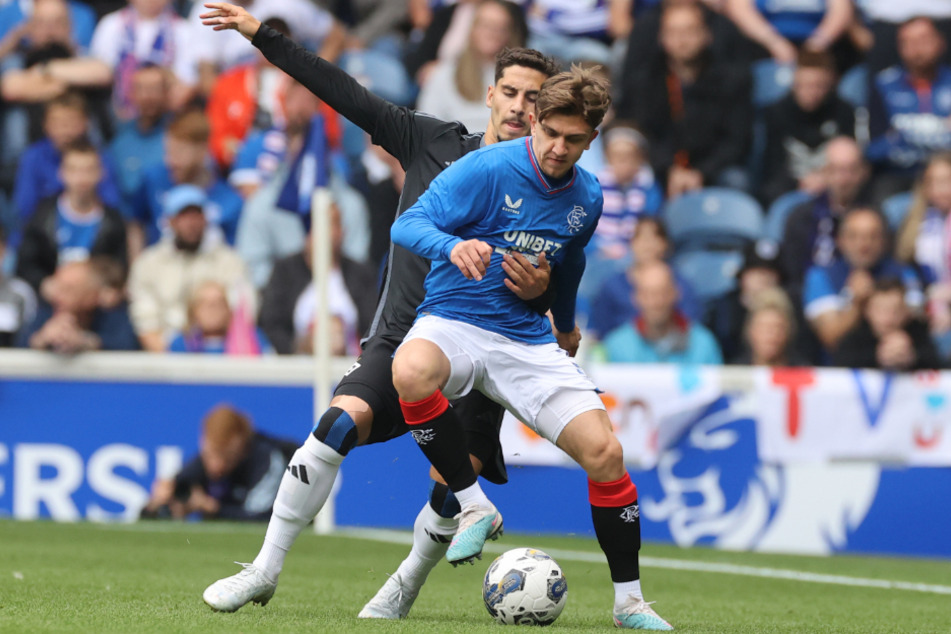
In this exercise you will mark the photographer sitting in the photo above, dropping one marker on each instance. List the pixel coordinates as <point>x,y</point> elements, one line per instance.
<point>235,475</point>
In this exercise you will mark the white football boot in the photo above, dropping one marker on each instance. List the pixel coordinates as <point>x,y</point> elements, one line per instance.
<point>230,593</point>
<point>392,601</point>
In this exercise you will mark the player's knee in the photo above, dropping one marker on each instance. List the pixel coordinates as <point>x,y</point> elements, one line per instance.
<point>337,430</point>
<point>603,458</point>
<point>414,378</point>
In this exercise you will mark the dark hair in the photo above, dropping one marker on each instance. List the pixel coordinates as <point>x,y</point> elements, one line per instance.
<point>815,59</point>
<point>526,57</point>
<point>82,145</point>
<point>889,285</point>
<point>190,125</point>
<point>579,91</point>
<point>72,100</point>
<point>658,224</point>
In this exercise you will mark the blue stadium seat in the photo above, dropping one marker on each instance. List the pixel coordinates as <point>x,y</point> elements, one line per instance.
<point>771,82</point>
<point>713,217</point>
<point>383,75</point>
<point>779,212</point>
<point>710,273</point>
<point>853,87</point>
<point>895,208</point>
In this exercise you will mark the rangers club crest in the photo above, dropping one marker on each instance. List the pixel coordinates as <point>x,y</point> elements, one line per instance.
<point>575,216</point>
<point>631,513</point>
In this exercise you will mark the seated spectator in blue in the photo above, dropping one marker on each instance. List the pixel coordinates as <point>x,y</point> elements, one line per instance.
<point>835,295</point>
<point>570,30</point>
<point>909,109</point>
<point>139,142</point>
<point>783,26</point>
<point>74,225</point>
<point>43,64</point>
<point>769,333</point>
<point>17,302</point>
<point>235,475</point>
<point>613,303</point>
<point>799,127</point>
<point>186,161</point>
<point>888,336</point>
<point>64,122</point>
<point>924,242</point>
<point>726,316</point>
<point>74,318</point>
<point>14,15</point>
<point>214,328</point>
<point>660,334</point>
<point>695,110</point>
<point>630,192</point>
<point>811,228</point>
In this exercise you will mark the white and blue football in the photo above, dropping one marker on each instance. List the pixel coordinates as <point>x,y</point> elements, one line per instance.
<point>525,586</point>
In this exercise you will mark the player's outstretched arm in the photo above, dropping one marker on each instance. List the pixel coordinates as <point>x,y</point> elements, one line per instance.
<point>222,16</point>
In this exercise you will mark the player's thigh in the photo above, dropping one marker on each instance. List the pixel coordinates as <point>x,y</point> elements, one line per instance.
<point>437,350</point>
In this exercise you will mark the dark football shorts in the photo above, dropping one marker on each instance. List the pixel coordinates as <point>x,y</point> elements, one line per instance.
<point>370,378</point>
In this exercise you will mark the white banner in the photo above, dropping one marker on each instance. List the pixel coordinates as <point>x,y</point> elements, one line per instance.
<point>803,415</point>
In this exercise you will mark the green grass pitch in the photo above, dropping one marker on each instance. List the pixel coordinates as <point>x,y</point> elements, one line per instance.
<point>149,578</point>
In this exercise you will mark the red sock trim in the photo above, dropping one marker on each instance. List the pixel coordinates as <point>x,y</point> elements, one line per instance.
<point>423,411</point>
<point>621,492</point>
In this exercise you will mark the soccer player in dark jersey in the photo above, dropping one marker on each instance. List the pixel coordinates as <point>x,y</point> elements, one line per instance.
<point>365,408</point>
<point>525,195</point>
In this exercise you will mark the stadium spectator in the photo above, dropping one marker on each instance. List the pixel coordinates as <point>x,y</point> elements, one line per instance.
<point>613,301</point>
<point>234,477</point>
<point>835,295</point>
<point>811,229</point>
<point>43,65</point>
<point>799,127</point>
<point>74,225</point>
<point>72,318</point>
<point>781,28</point>
<point>288,301</point>
<point>312,25</point>
<point>164,274</point>
<point>643,44</point>
<point>571,31</point>
<point>923,242</point>
<point>885,17</point>
<point>373,23</point>
<point>186,161</point>
<point>147,32</point>
<point>630,192</point>
<point>888,337</point>
<point>15,25</point>
<point>695,110</point>
<point>661,333</point>
<point>909,109</point>
<point>213,327</point>
<point>769,332</point>
<point>726,316</point>
<point>139,142</point>
<point>17,302</point>
<point>65,121</point>
<point>455,89</point>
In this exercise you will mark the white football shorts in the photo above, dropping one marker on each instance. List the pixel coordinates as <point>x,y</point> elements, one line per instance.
<point>522,377</point>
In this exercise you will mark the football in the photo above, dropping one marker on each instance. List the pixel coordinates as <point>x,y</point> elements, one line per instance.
<point>525,586</point>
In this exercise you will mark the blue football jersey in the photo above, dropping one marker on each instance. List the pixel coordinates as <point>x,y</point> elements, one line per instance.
<point>499,195</point>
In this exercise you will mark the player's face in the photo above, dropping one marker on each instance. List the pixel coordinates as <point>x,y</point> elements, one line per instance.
<point>559,141</point>
<point>511,99</point>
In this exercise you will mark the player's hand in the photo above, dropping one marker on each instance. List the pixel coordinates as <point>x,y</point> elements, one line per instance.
<point>471,256</point>
<point>225,16</point>
<point>526,281</point>
<point>569,341</point>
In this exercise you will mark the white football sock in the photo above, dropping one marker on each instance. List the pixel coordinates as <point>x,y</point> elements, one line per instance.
<point>431,536</point>
<point>472,495</point>
<point>304,489</point>
<point>624,588</point>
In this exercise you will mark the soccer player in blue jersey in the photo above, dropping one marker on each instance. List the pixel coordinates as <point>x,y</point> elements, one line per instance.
<point>525,196</point>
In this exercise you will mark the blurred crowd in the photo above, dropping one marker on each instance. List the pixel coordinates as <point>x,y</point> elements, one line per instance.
<point>776,173</point>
